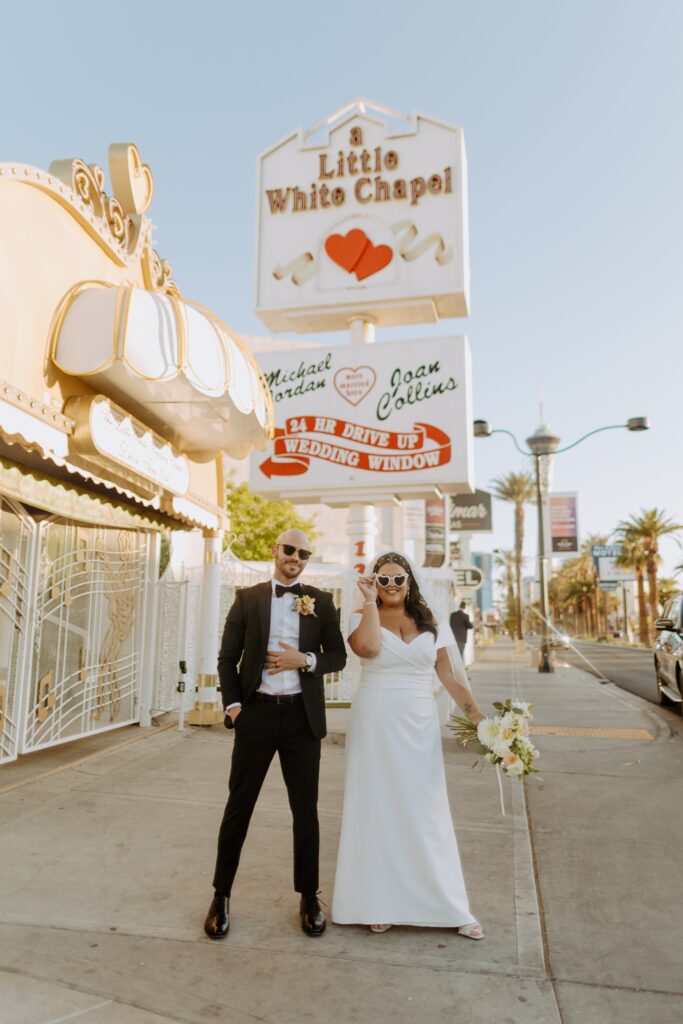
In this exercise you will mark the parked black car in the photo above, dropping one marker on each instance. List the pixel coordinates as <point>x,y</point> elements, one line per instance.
<point>669,653</point>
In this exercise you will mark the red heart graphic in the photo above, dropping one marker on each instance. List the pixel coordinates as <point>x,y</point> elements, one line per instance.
<point>346,250</point>
<point>373,259</point>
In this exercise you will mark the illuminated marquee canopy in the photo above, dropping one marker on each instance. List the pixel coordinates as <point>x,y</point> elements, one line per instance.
<point>170,362</point>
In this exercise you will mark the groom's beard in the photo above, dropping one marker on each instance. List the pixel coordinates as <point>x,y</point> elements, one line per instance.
<point>291,571</point>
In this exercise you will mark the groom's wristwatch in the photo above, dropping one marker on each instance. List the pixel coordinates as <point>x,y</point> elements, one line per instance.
<point>309,662</point>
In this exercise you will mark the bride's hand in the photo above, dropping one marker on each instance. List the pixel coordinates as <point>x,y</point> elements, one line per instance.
<point>368,587</point>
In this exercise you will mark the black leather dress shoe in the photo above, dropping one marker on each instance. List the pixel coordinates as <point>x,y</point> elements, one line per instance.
<point>312,918</point>
<point>217,923</point>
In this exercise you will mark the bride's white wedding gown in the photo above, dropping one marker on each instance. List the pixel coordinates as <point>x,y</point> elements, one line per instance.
<point>398,860</point>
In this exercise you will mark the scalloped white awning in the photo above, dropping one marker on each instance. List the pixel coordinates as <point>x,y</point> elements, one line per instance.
<point>175,366</point>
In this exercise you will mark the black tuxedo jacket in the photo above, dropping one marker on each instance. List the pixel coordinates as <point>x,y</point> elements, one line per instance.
<point>245,644</point>
<point>460,623</point>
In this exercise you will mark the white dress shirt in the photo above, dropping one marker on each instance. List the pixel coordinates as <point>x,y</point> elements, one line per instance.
<point>284,625</point>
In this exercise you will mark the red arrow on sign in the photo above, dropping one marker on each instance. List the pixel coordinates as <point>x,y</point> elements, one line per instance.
<point>292,467</point>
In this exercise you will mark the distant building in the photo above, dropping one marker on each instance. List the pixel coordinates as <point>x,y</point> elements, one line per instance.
<point>484,596</point>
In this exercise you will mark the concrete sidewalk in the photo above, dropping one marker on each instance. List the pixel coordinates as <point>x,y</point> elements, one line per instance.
<point>107,854</point>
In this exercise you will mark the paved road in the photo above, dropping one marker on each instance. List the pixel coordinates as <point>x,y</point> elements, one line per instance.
<point>631,669</point>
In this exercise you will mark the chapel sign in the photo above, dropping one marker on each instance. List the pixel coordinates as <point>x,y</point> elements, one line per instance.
<point>367,220</point>
<point>372,422</point>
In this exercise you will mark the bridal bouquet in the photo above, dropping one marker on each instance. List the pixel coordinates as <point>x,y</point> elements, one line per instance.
<point>503,739</point>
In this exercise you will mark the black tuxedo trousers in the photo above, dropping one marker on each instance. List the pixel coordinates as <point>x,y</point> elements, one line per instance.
<point>292,730</point>
<point>261,731</point>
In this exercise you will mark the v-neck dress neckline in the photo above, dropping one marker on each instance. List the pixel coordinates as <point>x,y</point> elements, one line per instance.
<point>398,636</point>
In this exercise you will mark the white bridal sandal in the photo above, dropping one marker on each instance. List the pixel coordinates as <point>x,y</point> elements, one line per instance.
<point>471,931</point>
<point>377,928</point>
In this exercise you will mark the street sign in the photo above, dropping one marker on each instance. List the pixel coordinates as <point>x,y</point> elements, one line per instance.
<point>605,557</point>
<point>468,577</point>
<point>608,585</point>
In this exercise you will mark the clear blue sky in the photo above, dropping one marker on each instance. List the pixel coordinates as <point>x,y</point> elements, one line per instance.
<point>572,120</point>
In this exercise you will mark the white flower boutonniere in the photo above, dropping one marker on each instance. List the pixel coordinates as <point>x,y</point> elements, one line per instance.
<point>304,604</point>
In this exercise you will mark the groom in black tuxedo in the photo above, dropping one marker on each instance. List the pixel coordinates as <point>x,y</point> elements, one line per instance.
<point>280,639</point>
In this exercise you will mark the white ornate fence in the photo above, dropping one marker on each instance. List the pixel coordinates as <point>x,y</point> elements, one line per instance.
<point>176,641</point>
<point>17,531</point>
<point>89,618</point>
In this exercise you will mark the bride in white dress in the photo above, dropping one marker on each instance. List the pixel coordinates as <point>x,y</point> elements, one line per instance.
<point>398,860</point>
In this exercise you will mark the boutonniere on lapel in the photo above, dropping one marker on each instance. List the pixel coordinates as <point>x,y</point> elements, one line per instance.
<point>304,604</point>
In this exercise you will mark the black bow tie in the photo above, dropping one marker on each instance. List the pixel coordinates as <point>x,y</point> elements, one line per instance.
<point>280,590</point>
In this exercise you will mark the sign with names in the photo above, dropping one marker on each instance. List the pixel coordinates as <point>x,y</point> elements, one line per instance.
<point>365,423</point>
<point>365,215</point>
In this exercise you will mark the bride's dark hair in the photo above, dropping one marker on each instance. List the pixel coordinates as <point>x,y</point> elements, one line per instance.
<point>416,606</point>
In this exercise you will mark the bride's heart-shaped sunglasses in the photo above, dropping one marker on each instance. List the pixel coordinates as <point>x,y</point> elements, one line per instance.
<point>386,581</point>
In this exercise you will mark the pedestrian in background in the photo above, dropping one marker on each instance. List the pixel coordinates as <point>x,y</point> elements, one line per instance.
<point>460,623</point>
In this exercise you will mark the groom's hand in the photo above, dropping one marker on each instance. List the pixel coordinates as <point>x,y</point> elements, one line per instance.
<point>284,660</point>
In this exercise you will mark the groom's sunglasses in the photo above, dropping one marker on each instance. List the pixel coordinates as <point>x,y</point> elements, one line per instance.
<point>385,581</point>
<point>289,550</point>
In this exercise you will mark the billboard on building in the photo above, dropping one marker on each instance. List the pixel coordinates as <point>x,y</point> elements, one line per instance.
<point>364,423</point>
<point>360,217</point>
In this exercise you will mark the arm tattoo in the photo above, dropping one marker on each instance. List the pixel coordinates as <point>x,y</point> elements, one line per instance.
<point>467,707</point>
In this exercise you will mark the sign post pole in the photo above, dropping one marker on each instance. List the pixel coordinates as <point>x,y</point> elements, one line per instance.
<point>362,518</point>
<point>545,663</point>
<point>362,533</point>
<point>627,631</point>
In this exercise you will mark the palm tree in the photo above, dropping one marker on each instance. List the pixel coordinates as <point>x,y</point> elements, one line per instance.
<point>649,527</point>
<point>519,490</point>
<point>505,560</point>
<point>574,589</point>
<point>633,556</point>
<point>668,588</point>
<point>591,575</point>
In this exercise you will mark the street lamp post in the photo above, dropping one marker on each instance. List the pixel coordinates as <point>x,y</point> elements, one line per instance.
<point>541,443</point>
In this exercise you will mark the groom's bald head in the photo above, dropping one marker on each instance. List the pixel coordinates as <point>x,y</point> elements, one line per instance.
<point>296,537</point>
<point>290,565</point>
